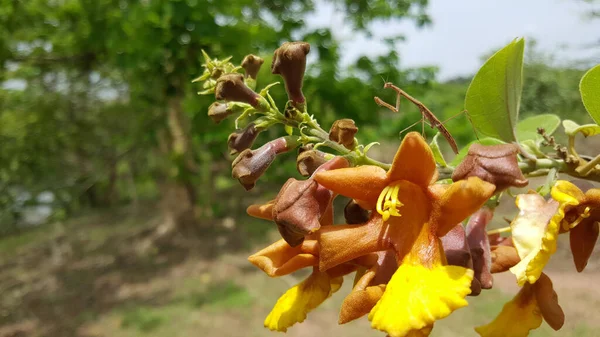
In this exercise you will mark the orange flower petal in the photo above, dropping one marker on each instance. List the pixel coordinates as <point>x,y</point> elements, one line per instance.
<point>359,303</point>
<point>503,258</point>
<point>339,244</point>
<point>460,200</point>
<point>583,239</point>
<point>414,161</point>
<point>262,211</point>
<point>363,182</point>
<point>280,258</point>
<point>548,302</point>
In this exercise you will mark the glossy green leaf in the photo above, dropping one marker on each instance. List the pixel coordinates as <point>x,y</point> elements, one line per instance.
<point>572,128</point>
<point>527,128</point>
<point>437,153</point>
<point>589,87</point>
<point>465,150</point>
<point>494,95</point>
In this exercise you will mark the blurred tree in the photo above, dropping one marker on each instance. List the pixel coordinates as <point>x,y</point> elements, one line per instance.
<point>97,99</point>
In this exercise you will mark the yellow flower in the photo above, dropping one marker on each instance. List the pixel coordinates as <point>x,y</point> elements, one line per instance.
<point>526,310</point>
<point>534,234</point>
<point>409,215</point>
<point>293,306</point>
<point>417,296</point>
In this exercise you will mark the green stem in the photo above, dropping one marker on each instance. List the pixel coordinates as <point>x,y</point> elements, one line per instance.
<point>585,169</point>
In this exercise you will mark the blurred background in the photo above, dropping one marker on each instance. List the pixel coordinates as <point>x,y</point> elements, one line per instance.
<point>118,213</point>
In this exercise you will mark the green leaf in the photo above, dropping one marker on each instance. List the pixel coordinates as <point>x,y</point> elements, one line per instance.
<point>589,87</point>
<point>527,128</point>
<point>571,128</point>
<point>465,150</point>
<point>494,95</point>
<point>437,153</point>
<point>533,147</point>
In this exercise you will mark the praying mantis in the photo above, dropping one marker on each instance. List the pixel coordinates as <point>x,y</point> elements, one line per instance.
<point>428,116</point>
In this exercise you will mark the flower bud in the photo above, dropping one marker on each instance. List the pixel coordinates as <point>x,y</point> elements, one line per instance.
<point>354,214</point>
<point>231,87</point>
<point>458,253</point>
<point>289,61</point>
<point>496,164</point>
<point>249,165</point>
<point>503,258</point>
<point>308,161</point>
<point>219,111</point>
<point>251,65</point>
<point>480,246</point>
<point>342,131</point>
<point>301,206</point>
<point>242,139</point>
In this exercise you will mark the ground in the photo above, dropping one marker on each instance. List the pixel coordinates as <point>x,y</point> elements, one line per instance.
<point>85,278</point>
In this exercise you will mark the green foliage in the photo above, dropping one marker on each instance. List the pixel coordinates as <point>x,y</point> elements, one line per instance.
<point>590,92</point>
<point>527,128</point>
<point>142,319</point>
<point>493,98</point>
<point>225,295</point>
<point>572,128</point>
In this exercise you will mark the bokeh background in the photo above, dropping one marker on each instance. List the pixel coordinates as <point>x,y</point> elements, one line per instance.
<point>118,213</point>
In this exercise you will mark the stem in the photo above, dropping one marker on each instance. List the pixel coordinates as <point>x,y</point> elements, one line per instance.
<point>585,169</point>
<point>499,230</point>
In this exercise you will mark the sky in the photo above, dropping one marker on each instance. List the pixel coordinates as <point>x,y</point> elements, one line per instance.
<point>465,30</point>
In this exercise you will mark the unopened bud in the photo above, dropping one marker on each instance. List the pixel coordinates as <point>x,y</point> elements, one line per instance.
<point>289,61</point>
<point>242,139</point>
<point>480,246</point>
<point>354,214</point>
<point>251,65</point>
<point>496,164</point>
<point>342,131</point>
<point>219,111</point>
<point>308,161</point>
<point>231,87</point>
<point>458,253</point>
<point>250,165</point>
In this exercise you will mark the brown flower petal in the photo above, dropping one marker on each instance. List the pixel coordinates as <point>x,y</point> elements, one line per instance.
<point>456,247</point>
<point>480,246</point>
<point>496,164</point>
<point>251,65</point>
<point>289,61</point>
<point>503,258</point>
<point>548,302</point>
<point>342,131</point>
<point>583,239</point>
<point>359,303</point>
<point>263,211</point>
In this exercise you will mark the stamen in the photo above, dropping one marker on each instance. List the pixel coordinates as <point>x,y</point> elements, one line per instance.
<point>584,215</point>
<point>388,203</point>
<point>499,230</point>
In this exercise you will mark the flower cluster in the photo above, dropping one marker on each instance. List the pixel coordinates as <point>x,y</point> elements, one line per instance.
<point>414,261</point>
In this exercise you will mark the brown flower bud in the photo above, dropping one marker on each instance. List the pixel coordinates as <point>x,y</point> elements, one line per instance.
<point>308,161</point>
<point>289,61</point>
<point>480,246</point>
<point>219,111</point>
<point>249,165</point>
<point>342,131</point>
<point>231,87</point>
<point>458,253</point>
<point>301,206</point>
<point>496,164</point>
<point>242,139</point>
<point>354,214</point>
<point>251,65</point>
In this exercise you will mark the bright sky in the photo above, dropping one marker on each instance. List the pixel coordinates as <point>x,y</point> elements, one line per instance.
<point>465,30</point>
